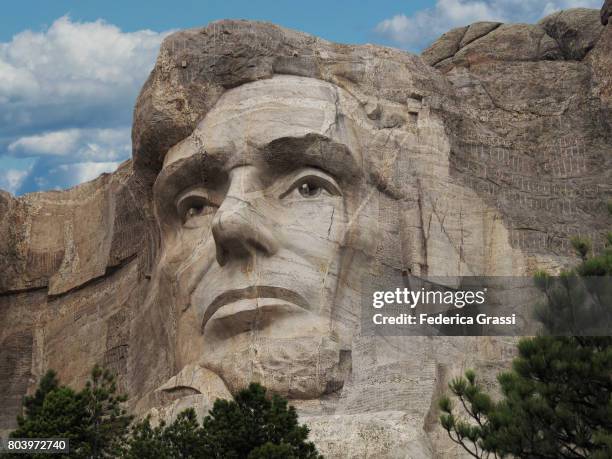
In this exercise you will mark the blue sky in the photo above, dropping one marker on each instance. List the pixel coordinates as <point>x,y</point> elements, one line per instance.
<point>70,71</point>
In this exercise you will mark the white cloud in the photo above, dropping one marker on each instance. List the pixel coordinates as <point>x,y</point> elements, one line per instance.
<point>51,143</point>
<point>73,75</point>
<point>12,179</point>
<point>83,172</point>
<point>68,157</point>
<point>76,144</point>
<point>67,94</point>
<point>423,27</point>
<point>15,81</point>
<point>74,60</point>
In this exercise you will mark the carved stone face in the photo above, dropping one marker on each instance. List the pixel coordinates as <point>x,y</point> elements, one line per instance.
<point>255,208</point>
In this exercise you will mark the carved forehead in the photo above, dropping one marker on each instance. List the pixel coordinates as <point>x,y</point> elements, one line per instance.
<point>253,115</point>
<point>307,92</point>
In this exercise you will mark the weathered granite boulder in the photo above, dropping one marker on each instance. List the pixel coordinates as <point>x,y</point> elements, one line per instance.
<point>606,12</point>
<point>576,31</point>
<point>565,35</point>
<point>272,169</point>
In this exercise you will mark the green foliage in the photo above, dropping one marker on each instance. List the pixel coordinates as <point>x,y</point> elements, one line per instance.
<point>238,428</point>
<point>555,402</point>
<point>92,419</point>
<point>581,245</point>
<point>559,390</point>
<point>252,426</point>
<point>145,441</point>
<point>33,404</point>
<point>183,438</point>
<point>272,451</point>
<point>600,265</point>
<point>57,412</point>
<point>106,421</point>
<point>579,301</point>
<point>476,404</point>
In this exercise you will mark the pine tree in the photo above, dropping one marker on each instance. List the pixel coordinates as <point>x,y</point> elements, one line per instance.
<point>183,438</point>
<point>33,404</point>
<point>272,451</point>
<point>578,301</point>
<point>53,412</point>
<point>556,401</point>
<point>92,419</point>
<point>185,435</point>
<point>244,426</point>
<point>106,421</point>
<point>252,426</point>
<point>146,442</point>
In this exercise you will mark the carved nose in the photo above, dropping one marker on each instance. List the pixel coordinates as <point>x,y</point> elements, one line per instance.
<point>239,232</point>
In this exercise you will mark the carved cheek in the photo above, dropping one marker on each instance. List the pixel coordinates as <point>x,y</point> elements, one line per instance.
<point>194,262</point>
<point>314,229</point>
<point>184,245</point>
<point>186,259</point>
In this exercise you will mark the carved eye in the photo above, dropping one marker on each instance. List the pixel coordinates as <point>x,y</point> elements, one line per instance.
<point>193,208</point>
<point>310,184</point>
<point>309,189</point>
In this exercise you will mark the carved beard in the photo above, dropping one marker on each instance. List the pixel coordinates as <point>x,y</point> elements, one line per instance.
<point>297,368</point>
<point>299,358</point>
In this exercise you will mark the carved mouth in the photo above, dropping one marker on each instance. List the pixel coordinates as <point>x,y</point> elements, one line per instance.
<point>267,297</point>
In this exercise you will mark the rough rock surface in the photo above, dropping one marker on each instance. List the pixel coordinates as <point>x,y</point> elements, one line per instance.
<point>576,31</point>
<point>504,133</point>
<point>446,46</point>
<point>606,12</point>
<point>565,35</point>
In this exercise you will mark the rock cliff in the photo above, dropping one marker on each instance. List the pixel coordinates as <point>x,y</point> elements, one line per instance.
<point>509,130</point>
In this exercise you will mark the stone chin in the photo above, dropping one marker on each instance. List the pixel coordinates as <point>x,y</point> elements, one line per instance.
<point>290,351</point>
<point>299,368</point>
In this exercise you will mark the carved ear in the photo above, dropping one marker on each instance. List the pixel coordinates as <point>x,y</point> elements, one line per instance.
<point>193,387</point>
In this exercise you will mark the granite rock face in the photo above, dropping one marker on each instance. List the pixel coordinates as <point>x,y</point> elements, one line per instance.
<point>606,12</point>
<point>576,31</point>
<point>484,156</point>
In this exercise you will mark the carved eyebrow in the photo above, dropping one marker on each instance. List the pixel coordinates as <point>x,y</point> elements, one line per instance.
<point>316,151</point>
<point>199,168</point>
